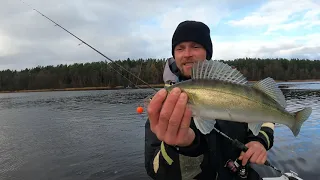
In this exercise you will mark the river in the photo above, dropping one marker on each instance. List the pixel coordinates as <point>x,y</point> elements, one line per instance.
<point>98,135</point>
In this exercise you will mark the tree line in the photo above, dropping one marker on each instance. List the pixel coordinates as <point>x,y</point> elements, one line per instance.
<point>109,74</point>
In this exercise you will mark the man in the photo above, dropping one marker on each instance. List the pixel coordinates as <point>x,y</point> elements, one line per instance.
<point>171,135</point>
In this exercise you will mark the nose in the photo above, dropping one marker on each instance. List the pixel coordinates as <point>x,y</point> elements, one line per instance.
<point>187,52</point>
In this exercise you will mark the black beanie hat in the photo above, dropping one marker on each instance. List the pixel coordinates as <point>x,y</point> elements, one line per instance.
<point>193,31</point>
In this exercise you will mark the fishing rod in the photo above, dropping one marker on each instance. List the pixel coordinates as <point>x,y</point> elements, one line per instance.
<point>244,148</point>
<point>92,48</point>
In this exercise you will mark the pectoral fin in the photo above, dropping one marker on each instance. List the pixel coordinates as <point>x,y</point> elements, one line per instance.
<point>205,126</point>
<point>255,127</point>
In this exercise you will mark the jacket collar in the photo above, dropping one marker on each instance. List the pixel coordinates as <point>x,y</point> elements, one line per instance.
<point>172,73</point>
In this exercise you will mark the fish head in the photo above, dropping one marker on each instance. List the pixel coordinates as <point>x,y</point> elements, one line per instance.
<point>182,85</point>
<point>147,100</point>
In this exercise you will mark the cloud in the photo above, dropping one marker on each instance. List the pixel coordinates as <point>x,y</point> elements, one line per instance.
<point>143,29</point>
<point>120,29</point>
<point>281,47</point>
<point>281,28</point>
<point>283,15</point>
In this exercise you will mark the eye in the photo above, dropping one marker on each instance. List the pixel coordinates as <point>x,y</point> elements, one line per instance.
<point>196,46</point>
<point>179,48</point>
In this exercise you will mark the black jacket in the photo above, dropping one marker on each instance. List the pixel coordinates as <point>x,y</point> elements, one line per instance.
<point>215,149</point>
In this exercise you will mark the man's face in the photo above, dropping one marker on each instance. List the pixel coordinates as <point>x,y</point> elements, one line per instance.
<point>186,53</point>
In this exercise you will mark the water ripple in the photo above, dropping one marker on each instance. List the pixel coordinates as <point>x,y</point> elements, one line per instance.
<point>98,135</point>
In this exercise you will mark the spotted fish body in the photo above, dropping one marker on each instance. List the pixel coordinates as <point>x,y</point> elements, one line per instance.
<point>216,91</point>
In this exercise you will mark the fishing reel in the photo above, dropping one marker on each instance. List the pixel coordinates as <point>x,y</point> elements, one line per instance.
<point>235,167</point>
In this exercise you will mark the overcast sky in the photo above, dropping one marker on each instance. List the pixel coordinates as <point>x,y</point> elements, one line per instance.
<point>143,29</point>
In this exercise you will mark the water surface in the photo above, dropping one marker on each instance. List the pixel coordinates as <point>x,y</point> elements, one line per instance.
<point>98,135</point>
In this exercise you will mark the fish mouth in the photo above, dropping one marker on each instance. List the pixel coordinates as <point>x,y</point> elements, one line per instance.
<point>146,100</point>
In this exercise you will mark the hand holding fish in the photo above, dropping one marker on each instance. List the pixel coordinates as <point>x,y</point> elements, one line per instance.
<point>256,153</point>
<point>170,118</point>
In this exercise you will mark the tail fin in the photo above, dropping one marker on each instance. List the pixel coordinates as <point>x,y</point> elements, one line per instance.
<point>300,116</point>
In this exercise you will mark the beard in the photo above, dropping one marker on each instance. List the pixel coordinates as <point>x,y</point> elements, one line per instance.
<point>186,66</point>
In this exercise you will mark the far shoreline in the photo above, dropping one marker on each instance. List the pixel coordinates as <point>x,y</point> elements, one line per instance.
<point>122,87</point>
<point>85,88</point>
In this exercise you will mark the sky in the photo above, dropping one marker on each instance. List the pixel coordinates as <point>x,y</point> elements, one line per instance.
<point>143,29</point>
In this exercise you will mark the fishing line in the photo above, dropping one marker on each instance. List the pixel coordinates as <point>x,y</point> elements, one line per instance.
<point>91,47</point>
<point>124,76</point>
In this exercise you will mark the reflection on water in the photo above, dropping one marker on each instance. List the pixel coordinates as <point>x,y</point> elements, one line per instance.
<point>300,85</point>
<point>98,135</point>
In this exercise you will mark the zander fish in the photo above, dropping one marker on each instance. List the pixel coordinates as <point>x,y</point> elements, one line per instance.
<point>217,91</point>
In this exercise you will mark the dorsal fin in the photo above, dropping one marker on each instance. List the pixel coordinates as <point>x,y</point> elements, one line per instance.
<point>269,87</point>
<point>214,69</point>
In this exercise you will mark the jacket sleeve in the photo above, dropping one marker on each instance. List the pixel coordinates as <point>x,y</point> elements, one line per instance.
<point>162,160</point>
<point>265,136</point>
